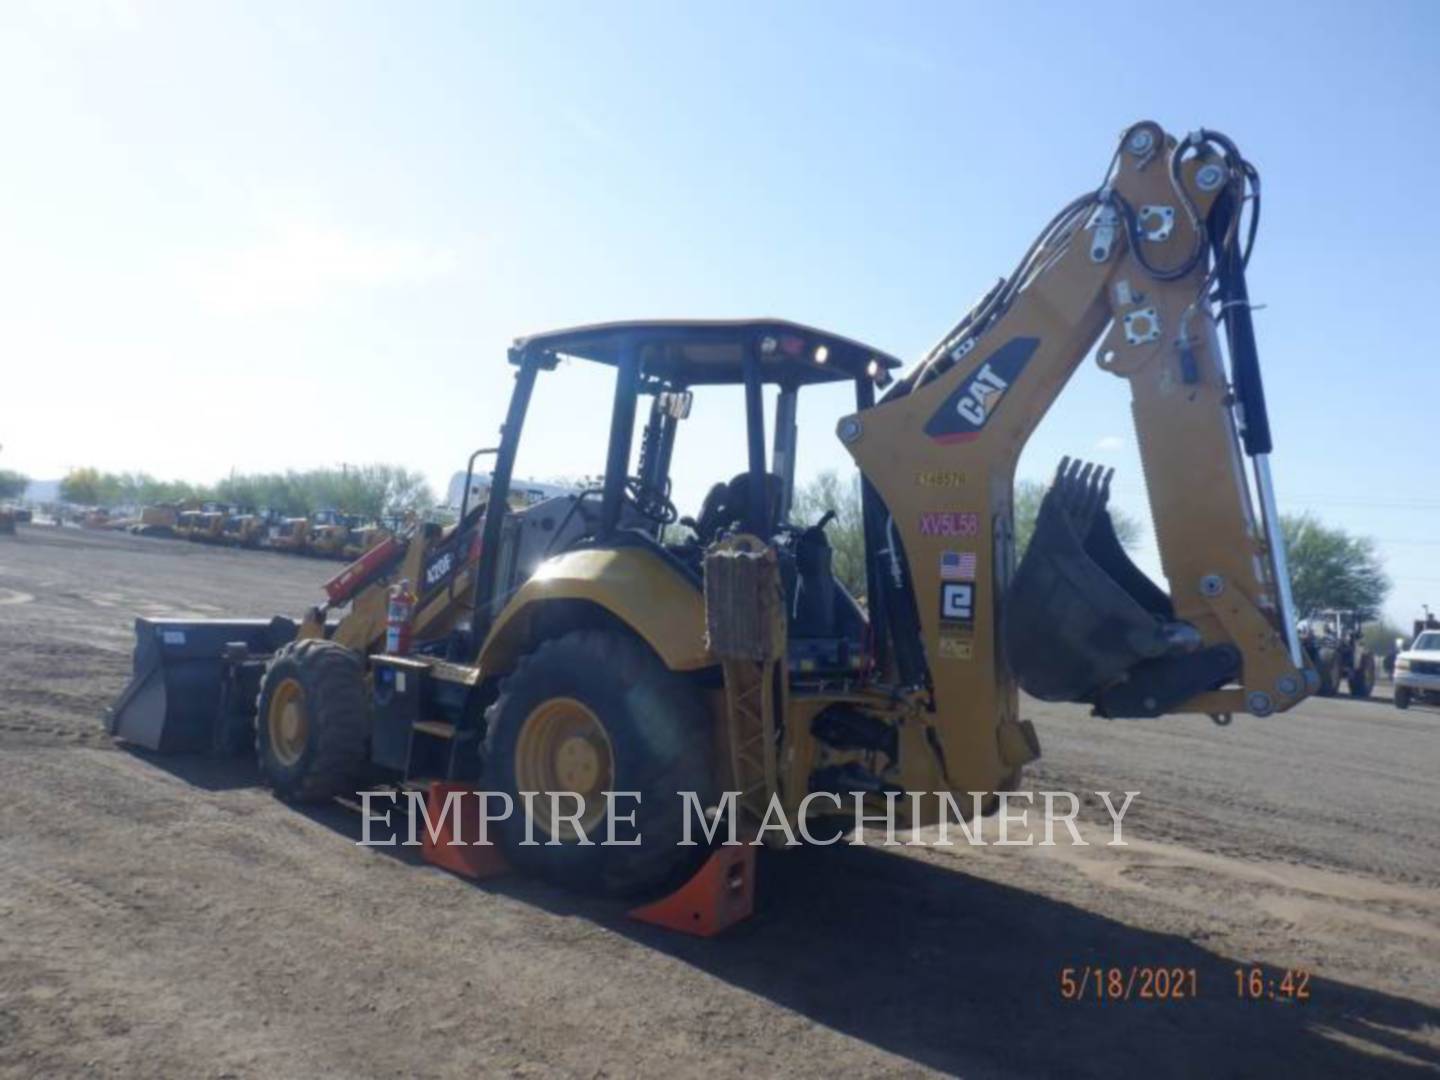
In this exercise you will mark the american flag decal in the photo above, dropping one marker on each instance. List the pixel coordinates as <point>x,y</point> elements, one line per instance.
<point>957,565</point>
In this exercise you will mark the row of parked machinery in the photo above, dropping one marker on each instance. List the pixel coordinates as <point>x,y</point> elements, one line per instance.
<point>324,533</point>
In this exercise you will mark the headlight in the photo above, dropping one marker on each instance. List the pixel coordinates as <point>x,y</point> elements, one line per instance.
<point>1402,664</point>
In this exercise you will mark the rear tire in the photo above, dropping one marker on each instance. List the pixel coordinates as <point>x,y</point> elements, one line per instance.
<point>603,697</point>
<point>1329,675</point>
<point>1362,679</point>
<point>311,721</point>
<point>1402,697</point>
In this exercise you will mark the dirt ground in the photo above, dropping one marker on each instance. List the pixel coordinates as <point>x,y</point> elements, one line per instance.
<point>167,917</point>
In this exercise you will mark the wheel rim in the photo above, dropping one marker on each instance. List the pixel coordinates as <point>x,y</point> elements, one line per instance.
<point>287,721</point>
<point>563,747</point>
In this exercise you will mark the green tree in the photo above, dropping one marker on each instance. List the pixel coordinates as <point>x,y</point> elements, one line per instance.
<point>366,490</point>
<point>1379,637</point>
<point>1028,496</point>
<point>846,533</point>
<point>395,489</point>
<point>142,489</point>
<point>1329,568</point>
<point>87,486</point>
<point>12,484</point>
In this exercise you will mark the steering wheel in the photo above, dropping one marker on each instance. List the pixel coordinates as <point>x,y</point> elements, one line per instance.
<point>654,504</point>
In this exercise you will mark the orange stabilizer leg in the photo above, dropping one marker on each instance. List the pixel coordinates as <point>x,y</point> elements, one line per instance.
<point>721,893</point>
<point>469,859</point>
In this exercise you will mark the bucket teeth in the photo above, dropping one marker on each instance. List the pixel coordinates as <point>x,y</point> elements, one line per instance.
<point>1082,489</point>
<point>1079,616</point>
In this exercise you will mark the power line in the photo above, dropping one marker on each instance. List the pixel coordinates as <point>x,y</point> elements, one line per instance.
<point>1131,488</point>
<point>1303,507</point>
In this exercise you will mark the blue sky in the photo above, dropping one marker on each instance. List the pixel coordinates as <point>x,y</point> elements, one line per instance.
<point>267,235</point>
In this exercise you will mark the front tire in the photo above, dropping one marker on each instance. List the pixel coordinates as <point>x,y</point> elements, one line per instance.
<point>310,721</point>
<point>595,711</point>
<point>1402,697</point>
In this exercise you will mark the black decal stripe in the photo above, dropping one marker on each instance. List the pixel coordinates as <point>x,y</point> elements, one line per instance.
<point>949,425</point>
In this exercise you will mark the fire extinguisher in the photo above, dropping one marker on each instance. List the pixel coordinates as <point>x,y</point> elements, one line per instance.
<point>397,619</point>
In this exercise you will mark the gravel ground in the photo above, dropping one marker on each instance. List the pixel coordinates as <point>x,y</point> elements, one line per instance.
<point>167,917</point>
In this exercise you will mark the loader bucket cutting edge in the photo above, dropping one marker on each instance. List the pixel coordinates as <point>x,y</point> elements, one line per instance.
<point>174,699</point>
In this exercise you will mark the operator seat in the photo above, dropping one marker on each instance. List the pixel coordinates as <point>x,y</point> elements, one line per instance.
<point>727,504</point>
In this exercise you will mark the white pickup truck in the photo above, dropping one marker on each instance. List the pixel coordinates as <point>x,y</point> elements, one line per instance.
<point>1417,671</point>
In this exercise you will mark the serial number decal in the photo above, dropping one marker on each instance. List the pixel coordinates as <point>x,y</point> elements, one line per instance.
<point>940,479</point>
<point>1137,982</point>
<point>949,523</point>
<point>956,648</point>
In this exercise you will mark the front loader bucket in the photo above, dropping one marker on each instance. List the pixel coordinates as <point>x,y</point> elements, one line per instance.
<point>178,683</point>
<point>1079,615</point>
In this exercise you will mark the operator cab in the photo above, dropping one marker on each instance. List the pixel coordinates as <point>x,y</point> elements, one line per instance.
<point>663,370</point>
<point>1330,626</point>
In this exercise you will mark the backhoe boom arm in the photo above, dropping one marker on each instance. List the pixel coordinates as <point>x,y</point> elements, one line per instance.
<point>1137,267</point>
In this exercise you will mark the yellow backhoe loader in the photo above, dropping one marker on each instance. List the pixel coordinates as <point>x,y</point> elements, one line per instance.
<point>577,646</point>
<point>330,533</point>
<point>244,528</point>
<point>204,525</point>
<point>209,525</point>
<point>363,537</point>
<point>288,534</point>
<point>186,522</point>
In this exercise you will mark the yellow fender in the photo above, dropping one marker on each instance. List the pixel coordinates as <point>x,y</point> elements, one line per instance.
<point>634,585</point>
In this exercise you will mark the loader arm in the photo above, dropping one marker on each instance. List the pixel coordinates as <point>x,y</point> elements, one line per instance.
<point>1131,267</point>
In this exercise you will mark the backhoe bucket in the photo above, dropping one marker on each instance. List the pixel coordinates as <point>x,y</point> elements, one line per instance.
<point>1079,615</point>
<point>184,680</point>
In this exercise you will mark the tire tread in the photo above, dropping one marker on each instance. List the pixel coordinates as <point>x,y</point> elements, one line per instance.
<point>333,676</point>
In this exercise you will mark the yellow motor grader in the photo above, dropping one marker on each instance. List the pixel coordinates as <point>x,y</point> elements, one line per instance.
<point>600,642</point>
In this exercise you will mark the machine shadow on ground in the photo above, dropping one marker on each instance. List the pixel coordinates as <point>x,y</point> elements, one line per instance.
<point>962,974</point>
<point>205,773</point>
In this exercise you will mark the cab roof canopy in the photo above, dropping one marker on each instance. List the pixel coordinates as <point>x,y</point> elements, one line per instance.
<point>683,353</point>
